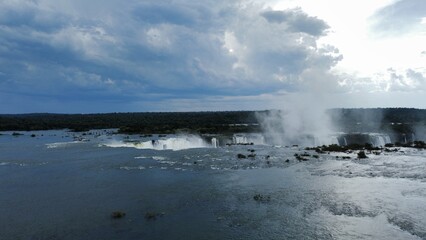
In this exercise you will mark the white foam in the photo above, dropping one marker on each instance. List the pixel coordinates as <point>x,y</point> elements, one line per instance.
<point>132,168</point>
<point>159,158</point>
<point>14,164</point>
<point>173,143</point>
<point>60,144</point>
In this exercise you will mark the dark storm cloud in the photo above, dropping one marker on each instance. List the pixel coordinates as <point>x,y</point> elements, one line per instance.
<point>111,51</point>
<point>166,13</point>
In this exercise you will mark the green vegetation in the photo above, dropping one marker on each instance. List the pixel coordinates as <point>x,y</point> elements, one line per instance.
<point>136,123</point>
<point>397,120</point>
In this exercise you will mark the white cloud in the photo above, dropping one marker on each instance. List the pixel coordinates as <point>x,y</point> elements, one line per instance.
<point>92,42</point>
<point>186,49</point>
<point>358,30</point>
<point>159,37</point>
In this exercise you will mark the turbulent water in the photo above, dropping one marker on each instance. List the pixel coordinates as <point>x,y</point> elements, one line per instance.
<point>62,185</point>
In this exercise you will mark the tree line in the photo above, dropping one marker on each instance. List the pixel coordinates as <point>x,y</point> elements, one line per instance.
<point>348,120</point>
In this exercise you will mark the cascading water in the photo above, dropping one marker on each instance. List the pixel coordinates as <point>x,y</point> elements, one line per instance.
<point>379,140</point>
<point>388,139</point>
<point>215,142</point>
<point>239,139</point>
<point>329,140</point>
<point>257,139</point>
<point>375,139</point>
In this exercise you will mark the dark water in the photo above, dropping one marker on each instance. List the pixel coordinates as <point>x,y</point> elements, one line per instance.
<point>52,187</point>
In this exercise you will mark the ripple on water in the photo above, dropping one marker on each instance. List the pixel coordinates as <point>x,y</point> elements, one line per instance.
<point>132,168</point>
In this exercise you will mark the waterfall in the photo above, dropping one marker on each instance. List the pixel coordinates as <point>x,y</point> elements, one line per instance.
<point>334,140</point>
<point>238,139</point>
<point>257,139</point>
<point>373,140</point>
<point>328,140</point>
<point>346,142</point>
<point>215,142</point>
<point>387,139</point>
<point>413,137</point>
<point>379,140</point>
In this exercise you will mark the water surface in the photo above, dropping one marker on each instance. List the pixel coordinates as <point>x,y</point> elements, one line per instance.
<point>61,185</point>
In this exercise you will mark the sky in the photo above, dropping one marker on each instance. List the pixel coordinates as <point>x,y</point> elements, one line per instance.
<point>180,55</point>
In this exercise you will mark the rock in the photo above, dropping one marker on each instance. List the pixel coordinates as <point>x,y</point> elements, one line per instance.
<point>261,198</point>
<point>252,155</point>
<point>361,154</point>
<point>153,215</point>
<point>33,135</point>
<point>300,158</point>
<point>391,150</point>
<point>150,216</point>
<point>319,150</point>
<point>241,156</point>
<point>118,214</point>
<point>305,154</point>
<point>288,160</point>
<point>419,144</point>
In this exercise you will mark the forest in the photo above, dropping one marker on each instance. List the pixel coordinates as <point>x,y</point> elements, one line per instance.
<point>397,120</point>
<point>347,120</point>
<point>138,123</point>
